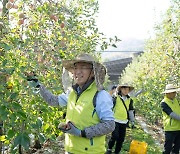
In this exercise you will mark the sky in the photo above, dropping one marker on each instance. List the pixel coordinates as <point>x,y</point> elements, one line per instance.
<point>130,18</point>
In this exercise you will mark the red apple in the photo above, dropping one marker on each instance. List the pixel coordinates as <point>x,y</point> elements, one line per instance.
<point>32,6</point>
<point>15,6</point>
<point>9,5</point>
<point>62,25</point>
<point>53,17</point>
<point>11,1</point>
<point>21,15</point>
<point>21,21</point>
<point>44,31</point>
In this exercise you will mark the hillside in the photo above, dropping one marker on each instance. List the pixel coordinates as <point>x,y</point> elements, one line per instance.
<point>126,45</point>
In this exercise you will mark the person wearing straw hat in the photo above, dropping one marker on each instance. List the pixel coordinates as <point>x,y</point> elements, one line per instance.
<point>86,125</point>
<point>123,110</point>
<point>171,119</point>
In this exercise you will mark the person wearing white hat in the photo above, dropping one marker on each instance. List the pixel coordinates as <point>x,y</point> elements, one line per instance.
<point>123,111</point>
<point>86,124</point>
<point>171,120</point>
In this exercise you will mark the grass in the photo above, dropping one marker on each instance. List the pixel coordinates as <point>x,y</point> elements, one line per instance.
<point>140,135</point>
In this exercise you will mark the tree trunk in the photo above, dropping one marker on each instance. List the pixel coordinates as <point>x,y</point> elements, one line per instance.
<point>1,133</point>
<point>5,10</point>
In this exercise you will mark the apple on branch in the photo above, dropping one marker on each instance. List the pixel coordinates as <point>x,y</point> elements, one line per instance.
<point>53,17</point>
<point>62,25</point>
<point>21,21</point>
<point>21,15</point>
<point>15,6</point>
<point>9,5</point>
<point>11,1</point>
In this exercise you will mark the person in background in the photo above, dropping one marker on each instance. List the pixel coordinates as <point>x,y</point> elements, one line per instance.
<point>113,90</point>
<point>123,111</point>
<point>171,120</point>
<point>86,125</point>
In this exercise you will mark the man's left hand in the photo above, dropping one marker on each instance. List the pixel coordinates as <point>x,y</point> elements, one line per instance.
<point>133,125</point>
<point>73,129</point>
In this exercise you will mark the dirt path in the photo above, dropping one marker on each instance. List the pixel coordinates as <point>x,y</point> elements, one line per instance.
<point>55,147</point>
<point>155,131</point>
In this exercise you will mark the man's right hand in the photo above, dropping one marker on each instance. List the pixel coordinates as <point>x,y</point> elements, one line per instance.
<point>31,77</point>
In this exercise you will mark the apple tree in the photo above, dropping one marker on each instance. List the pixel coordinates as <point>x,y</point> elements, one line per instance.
<point>35,36</point>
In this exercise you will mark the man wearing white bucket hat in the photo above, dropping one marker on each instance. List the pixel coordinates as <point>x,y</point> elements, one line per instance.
<point>123,111</point>
<point>86,124</point>
<point>171,120</point>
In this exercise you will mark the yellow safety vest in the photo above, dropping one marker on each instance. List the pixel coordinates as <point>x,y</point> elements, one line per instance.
<point>80,113</point>
<point>120,112</point>
<point>169,123</point>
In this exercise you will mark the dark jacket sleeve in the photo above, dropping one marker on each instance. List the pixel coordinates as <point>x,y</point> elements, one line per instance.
<point>131,107</point>
<point>166,108</point>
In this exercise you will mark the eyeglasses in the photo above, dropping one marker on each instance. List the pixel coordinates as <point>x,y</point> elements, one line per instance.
<point>82,68</point>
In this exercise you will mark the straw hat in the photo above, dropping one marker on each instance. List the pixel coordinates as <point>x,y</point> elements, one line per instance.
<point>170,88</point>
<point>69,64</point>
<point>125,85</point>
<point>99,69</point>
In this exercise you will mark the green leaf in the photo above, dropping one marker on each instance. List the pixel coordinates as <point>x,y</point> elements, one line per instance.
<point>35,126</point>
<point>5,46</point>
<point>41,138</point>
<point>10,133</point>
<point>2,138</point>
<point>102,47</point>
<point>39,122</point>
<point>16,106</point>
<point>22,139</point>
<point>5,62</point>
<point>13,95</point>
<point>114,45</point>
<point>21,114</point>
<point>3,112</point>
<point>2,108</point>
<point>13,116</point>
<point>39,8</point>
<point>46,126</point>
<point>10,70</point>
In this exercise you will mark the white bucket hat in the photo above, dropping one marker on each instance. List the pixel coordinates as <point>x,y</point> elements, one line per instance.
<point>170,88</point>
<point>99,69</point>
<point>125,85</point>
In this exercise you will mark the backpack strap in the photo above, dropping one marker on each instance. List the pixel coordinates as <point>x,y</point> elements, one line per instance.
<point>114,101</point>
<point>94,103</point>
<point>125,107</point>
